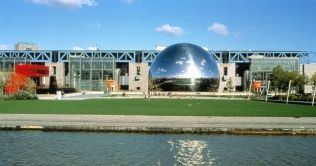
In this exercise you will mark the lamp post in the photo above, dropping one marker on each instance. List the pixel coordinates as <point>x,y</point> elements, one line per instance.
<point>314,90</point>
<point>288,92</point>
<point>267,90</point>
<point>249,92</point>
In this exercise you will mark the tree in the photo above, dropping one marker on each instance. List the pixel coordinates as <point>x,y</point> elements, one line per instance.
<point>230,86</point>
<point>298,80</point>
<point>20,87</point>
<point>279,78</point>
<point>1,88</point>
<point>15,83</point>
<point>213,85</point>
<point>313,79</point>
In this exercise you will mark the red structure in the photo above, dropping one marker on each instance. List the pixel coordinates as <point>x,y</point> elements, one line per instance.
<point>19,79</point>
<point>256,85</point>
<point>32,70</point>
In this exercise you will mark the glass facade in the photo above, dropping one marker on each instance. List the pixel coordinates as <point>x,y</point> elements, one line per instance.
<point>184,67</point>
<point>261,67</point>
<point>7,65</point>
<point>90,74</point>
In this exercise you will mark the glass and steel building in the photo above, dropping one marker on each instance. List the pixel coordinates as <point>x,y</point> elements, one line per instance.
<point>184,67</point>
<point>90,73</point>
<point>261,67</point>
<point>7,65</point>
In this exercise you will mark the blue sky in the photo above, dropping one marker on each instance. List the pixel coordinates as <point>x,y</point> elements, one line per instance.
<point>143,24</point>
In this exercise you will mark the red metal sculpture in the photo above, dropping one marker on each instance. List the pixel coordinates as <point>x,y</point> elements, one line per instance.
<point>23,72</point>
<point>30,70</point>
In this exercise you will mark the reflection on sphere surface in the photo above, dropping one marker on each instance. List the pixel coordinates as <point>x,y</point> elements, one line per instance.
<point>184,67</point>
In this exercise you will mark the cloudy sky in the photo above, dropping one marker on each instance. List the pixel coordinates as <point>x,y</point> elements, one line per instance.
<point>143,24</point>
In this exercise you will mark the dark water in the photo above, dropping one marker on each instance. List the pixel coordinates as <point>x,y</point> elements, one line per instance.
<point>67,148</point>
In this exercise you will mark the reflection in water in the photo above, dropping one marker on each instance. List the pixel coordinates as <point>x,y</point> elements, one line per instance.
<point>80,148</point>
<point>187,152</point>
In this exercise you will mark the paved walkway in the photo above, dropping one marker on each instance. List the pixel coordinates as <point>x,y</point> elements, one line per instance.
<point>158,123</point>
<point>119,95</point>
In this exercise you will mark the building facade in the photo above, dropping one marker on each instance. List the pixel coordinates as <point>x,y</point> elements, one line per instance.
<point>91,70</point>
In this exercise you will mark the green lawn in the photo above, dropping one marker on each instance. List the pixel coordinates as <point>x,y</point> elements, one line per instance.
<point>180,107</point>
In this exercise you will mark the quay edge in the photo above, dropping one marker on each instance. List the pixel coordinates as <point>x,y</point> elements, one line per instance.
<point>175,130</point>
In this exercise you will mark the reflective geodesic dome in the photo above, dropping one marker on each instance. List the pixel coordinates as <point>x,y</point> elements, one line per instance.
<point>184,67</point>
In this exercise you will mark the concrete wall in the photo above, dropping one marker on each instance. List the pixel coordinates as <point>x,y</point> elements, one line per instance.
<point>60,74</point>
<point>309,69</point>
<point>231,70</point>
<point>138,81</point>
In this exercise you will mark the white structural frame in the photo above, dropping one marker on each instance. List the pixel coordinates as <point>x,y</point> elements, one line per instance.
<point>146,55</point>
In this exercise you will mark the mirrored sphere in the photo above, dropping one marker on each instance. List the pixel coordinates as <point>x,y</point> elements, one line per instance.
<point>184,67</point>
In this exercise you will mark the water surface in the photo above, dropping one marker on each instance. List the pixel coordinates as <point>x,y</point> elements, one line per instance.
<point>82,148</point>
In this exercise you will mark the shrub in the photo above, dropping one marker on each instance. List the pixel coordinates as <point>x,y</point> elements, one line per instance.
<point>293,97</point>
<point>279,97</point>
<point>25,92</point>
<point>22,95</point>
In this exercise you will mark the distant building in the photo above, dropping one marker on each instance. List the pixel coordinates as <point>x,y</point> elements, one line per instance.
<point>25,46</point>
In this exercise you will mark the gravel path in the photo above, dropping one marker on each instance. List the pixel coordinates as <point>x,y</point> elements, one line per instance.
<point>140,123</point>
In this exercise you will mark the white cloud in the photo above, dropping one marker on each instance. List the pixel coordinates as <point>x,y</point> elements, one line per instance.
<point>219,29</point>
<point>92,48</point>
<point>4,47</point>
<point>77,48</point>
<point>160,47</point>
<point>203,62</point>
<point>70,4</point>
<point>170,30</point>
<point>162,70</point>
<point>179,62</point>
<point>190,61</point>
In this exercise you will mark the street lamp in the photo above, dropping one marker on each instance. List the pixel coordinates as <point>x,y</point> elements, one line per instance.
<point>314,90</point>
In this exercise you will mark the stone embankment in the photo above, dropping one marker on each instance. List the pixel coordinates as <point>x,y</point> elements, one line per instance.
<point>160,124</point>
